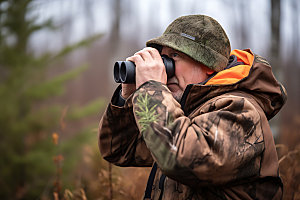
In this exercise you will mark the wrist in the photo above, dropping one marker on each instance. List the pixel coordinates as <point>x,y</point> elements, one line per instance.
<point>124,95</point>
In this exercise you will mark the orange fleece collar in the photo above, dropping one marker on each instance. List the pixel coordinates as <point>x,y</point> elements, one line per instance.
<point>236,73</point>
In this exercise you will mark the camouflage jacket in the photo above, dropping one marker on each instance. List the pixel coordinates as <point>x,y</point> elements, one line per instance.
<point>216,145</point>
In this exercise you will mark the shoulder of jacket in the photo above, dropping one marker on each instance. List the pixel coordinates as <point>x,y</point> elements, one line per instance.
<point>232,97</point>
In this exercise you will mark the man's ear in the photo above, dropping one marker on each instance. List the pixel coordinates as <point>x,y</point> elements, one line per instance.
<point>209,71</point>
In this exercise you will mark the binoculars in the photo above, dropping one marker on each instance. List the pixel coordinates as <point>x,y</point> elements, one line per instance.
<point>124,71</point>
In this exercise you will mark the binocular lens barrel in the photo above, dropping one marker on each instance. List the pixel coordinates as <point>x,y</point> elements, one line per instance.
<point>124,71</point>
<point>117,71</point>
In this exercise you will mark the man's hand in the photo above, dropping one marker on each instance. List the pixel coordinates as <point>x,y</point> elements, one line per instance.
<point>149,66</point>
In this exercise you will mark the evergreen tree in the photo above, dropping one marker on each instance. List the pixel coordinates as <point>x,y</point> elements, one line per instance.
<point>27,168</point>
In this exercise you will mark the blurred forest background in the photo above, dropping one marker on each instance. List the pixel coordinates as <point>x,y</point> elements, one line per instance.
<point>56,61</point>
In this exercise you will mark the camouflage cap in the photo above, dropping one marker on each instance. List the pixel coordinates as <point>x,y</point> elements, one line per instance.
<point>200,37</point>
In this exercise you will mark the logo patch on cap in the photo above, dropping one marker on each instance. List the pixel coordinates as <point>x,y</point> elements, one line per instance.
<point>187,36</point>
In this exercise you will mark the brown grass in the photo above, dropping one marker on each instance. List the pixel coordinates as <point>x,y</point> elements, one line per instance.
<point>289,168</point>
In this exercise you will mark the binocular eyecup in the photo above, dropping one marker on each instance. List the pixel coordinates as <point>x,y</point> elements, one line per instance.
<point>124,71</point>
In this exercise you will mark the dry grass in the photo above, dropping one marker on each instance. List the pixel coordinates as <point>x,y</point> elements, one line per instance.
<point>289,168</point>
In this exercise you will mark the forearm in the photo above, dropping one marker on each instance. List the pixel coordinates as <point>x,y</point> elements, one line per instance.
<point>155,112</point>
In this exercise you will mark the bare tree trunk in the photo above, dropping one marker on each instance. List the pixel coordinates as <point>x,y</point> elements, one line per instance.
<point>116,26</point>
<point>274,56</point>
<point>295,23</point>
<point>275,35</point>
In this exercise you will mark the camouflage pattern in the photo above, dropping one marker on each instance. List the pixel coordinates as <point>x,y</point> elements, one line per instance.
<point>218,146</point>
<point>200,37</point>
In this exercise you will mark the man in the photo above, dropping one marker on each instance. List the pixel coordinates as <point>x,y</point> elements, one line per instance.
<point>205,131</point>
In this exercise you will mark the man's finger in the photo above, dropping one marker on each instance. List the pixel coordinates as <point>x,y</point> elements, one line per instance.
<point>136,58</point>
<point>146,55</point>
<point>154,52</point>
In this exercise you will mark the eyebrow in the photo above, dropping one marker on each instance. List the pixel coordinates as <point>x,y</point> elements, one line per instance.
<point>174,51</point>
<point>171,50</point>
<point>178,52</point>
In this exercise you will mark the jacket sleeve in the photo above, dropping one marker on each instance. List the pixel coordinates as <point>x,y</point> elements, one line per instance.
<point>119,139</point>
<point>220,143</point>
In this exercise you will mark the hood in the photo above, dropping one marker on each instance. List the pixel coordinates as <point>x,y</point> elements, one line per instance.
<point>251,74</point>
